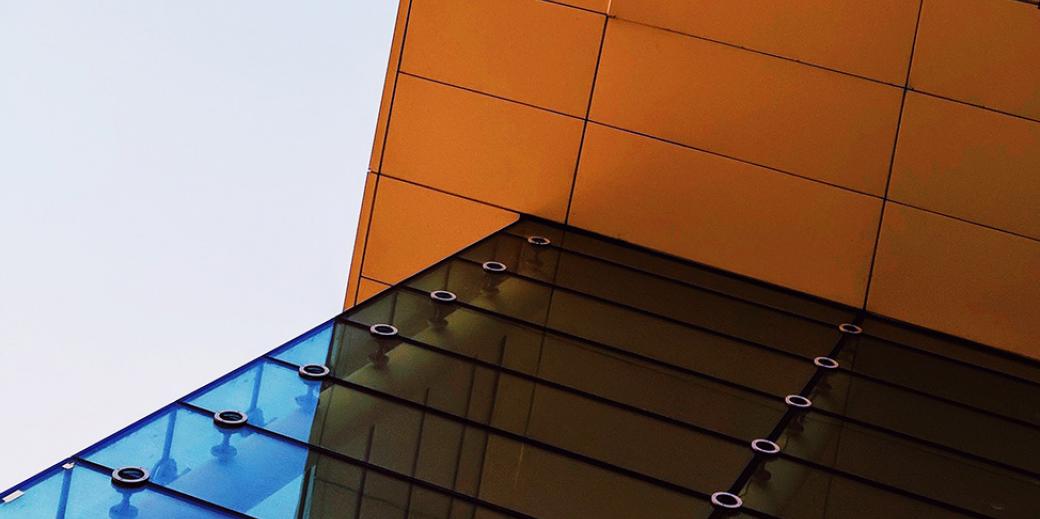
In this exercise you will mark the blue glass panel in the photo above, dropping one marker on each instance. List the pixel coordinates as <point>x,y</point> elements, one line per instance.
<point>235,468</point>
<point>272,396</point>
<point>84,493</point>
<point>312,348</point>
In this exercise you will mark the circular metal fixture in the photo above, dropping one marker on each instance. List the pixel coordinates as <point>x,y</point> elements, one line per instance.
<point>230,418</point>
<point>314,371</point>
<point>797,401</point>
<point>765,446</point>
<point>494,267</point>
<point>726,500</point>
<point>130,476</point>
<point>850,328</point>
<point>538,240</point>
<point>825,362</point>
<point>383,330</point>
<point>443,296</point>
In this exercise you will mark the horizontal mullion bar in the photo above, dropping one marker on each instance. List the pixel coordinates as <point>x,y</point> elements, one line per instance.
<point>645,312</point>
<point>350,460</point>
<point>681,282</point>
<point>520,438</point>
<point>595,344</point>
<point>167,491</point>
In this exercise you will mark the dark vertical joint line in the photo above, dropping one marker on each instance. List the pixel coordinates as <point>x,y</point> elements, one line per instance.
<point>364,472</point>
<point>585,122</point>
<point>382,147</point>
<point>892,158</point>
<point>418,449</point>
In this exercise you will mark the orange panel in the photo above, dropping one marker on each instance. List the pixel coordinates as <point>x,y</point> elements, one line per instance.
<point>388,86</point>
<point>871,39</point>
<point>484,148</point>
<point>765,110</point>
<point>958,278</point>
<point>368,288</point>
<point>526,50</point>
<point>783,229</point>
<point>980,51</point>
<point>353,280</point>
<point>600,6</point>
<point>968,162</point>
<point>413,227</point>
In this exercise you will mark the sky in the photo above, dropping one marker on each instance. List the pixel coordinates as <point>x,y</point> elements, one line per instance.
<point>180,183</point>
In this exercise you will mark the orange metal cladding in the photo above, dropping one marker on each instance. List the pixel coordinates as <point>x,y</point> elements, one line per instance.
<point>880,154</point>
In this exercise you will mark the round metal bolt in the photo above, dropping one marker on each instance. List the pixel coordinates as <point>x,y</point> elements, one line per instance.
<point>494,267</point>
<point>850,328</point>
<point>230,418</point>
<point>443,296</point>
<point>383,330</point>
<point>765,446</point>
<point>825,362</point>
<point>130,476</point>
<point>797,401</point>
<point>314,371</point>
<point>726,500</point>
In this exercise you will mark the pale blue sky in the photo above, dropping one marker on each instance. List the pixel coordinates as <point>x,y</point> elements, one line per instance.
<point>179,189</point>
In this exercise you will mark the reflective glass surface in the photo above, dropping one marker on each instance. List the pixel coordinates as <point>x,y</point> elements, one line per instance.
<point>938,474</point>
<point>641,334</point>
<point>86,493</point>
<point>590,379</point>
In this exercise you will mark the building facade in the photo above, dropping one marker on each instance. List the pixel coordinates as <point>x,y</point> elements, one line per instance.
<point>632,258</point>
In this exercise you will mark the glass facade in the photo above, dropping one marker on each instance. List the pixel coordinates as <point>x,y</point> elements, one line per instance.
<point>547,372</point>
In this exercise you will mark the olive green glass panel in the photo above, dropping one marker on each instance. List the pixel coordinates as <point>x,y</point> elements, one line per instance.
<point>658,295</point>
<point>580,365</point>
<point>685,272</point>
<point>954,348</point>
<point>911,466</point>
<point>493,467</point>
<point>639,333</point>
<point>1007,396</point>
<point>926,418</point>
<point>786,488</point>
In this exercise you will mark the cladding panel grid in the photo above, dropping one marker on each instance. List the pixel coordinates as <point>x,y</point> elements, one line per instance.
<point>956,156</point>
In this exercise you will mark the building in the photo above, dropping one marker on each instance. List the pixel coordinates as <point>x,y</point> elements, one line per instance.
<point>651,259</point>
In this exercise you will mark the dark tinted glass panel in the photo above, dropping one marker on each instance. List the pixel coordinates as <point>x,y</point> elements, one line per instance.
<point>954,348</point>
<point>927,418</point>
<point>1008,396</point>
<point>789,489</point>
<point>85,493</point>
<point>684,271</point>
<point>559,418</point>
<point>912,466</point>
<point>660,296</point>
<point>640,333</point>
<point>554,358</point>
<point>488,465</point>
